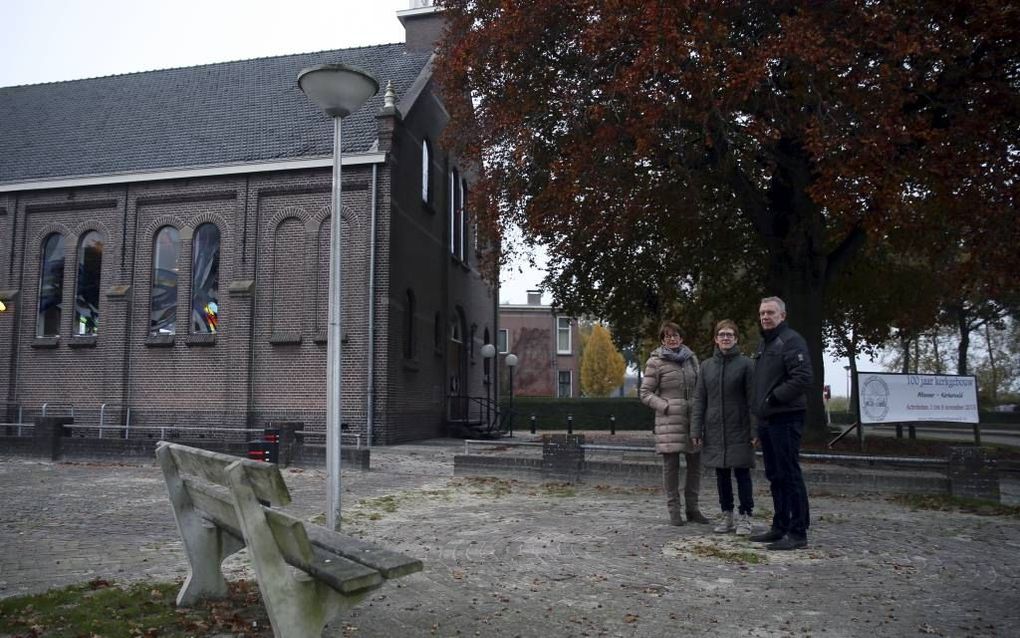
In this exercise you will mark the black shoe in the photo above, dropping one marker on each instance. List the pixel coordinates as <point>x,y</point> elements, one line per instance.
<point>788,542</point>
<point>770,536</point>
<point>696,517</point>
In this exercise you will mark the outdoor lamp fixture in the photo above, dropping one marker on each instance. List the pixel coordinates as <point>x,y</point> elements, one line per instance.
<point>339,90</point>
<point>3,308</point>
<point>511,362</point>
<point>488,353</point>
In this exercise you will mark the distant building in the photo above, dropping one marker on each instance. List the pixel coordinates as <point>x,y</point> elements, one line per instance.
<point>164,248</point>
<point>546,345</point>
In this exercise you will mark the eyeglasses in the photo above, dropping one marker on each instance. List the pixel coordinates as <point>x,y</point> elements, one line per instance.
<point>726,335</point>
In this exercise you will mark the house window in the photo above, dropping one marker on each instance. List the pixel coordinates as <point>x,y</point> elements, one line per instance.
<point>163,306</point>
<point>563,390</point>
<point>425,158</point>
<point>503,341</point>
<point>51,287</point>
<point>563,335</point>
<point>205,279</point>
<point>471,343</point>
<point>410,345</point>
<point>86,298</point>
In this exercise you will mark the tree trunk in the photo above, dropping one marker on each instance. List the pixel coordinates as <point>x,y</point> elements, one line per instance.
<point>794,232</point>
<point>994,394</point>
<point>963,322</point>
<point>905,344</point>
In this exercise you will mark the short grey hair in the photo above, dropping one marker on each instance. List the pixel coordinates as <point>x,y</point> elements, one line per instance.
<point>776,300</point>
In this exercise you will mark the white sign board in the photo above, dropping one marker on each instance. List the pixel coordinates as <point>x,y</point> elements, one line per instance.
<point>902,398</point>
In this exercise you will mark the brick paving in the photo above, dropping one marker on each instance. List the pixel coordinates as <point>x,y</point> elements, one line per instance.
<point>513,558</point>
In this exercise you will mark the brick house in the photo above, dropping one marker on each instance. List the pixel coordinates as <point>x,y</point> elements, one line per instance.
<point>546,345</point>
<point>164,248</point>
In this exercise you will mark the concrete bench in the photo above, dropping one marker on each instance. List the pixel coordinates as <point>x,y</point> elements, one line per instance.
<point>307,574</point>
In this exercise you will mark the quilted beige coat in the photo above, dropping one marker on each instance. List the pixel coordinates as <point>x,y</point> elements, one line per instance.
<point>668,388</point>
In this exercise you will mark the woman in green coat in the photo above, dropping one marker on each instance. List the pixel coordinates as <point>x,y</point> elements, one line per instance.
<point>721,425</point>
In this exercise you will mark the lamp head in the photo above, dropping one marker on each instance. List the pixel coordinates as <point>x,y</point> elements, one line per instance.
<point>488,351</point>
<point>337,89</point>
<point>511,360</point>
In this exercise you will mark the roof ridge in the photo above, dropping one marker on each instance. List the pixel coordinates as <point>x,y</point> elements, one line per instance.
<point>203,65</point>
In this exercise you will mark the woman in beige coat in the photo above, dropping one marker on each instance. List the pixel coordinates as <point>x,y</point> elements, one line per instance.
<point>668,388</point>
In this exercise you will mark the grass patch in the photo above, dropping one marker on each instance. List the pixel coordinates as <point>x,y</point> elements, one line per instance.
<point>140,610</point>
<point>946,503</point>
<point>742,556</point>
<point>559,490</point>
<point>485,486</point>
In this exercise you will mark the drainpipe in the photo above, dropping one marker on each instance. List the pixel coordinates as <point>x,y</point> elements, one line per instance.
<point>370,385</point>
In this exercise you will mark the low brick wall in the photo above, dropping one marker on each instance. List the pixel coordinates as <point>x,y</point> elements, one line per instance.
<point>52,440</point>
<point>562,460</point>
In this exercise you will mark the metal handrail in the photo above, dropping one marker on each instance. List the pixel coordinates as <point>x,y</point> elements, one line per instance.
<point>48,403</point>
<point>102,417</point>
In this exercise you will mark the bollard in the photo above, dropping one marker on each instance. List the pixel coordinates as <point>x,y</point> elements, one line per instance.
<point>899,430</point>
<point>570,424</point>
<point>532,423</point>
<point>612,424</point>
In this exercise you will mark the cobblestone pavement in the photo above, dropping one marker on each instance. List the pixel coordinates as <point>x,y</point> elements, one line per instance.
<point>505,558</point>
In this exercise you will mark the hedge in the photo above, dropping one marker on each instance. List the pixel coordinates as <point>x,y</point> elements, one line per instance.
<point>593,414</point>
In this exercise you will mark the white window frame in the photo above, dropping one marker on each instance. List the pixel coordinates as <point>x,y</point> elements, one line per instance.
<point>559,329</point>
<point>503,335</point>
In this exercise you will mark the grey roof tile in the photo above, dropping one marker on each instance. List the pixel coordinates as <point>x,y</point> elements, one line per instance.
<point>224,113</point>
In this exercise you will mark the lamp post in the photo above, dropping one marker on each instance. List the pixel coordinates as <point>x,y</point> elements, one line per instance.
<point>488,352</point>
<point>511,362</point>
<point>847,368</point>
<point>339,90</point>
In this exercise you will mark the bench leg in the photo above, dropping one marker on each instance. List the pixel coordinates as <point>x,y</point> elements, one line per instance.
<point>298,605</point>
<point>205,545</point>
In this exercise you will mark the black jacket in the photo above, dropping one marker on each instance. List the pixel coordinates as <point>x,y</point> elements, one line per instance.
<point>782,372</point>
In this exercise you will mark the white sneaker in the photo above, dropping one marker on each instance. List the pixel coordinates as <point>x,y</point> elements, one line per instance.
<point>744,525</point>
<point>725,524</point>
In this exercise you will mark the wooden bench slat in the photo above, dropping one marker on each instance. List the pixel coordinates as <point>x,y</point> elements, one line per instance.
<point>389,563</point>
<point>265,478</point>
<point>328,563</point>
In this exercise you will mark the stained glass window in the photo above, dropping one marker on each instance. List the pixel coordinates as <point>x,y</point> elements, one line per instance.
<point>163,308</point>
<point>86,298</point>
<point>51,287</point>
<point>205,279</point>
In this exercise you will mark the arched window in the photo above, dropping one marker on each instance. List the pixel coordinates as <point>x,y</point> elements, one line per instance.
<point>437,333</point>
<point>51,286</point>
<point>205,279</point>
<point>410,343</point>
<point>163,306</point>
<point>86,297</point>
<point>426,192</point>
<point>471,341</point>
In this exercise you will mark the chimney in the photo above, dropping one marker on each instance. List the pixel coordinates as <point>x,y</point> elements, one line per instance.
<point>423,24</point>
<point>534,297</point>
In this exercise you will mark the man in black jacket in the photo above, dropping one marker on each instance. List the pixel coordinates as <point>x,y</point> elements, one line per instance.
<point>782,374</point>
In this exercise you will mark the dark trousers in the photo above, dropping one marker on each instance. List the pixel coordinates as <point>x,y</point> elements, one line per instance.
<point>744,490</point>
<point>780,445</point>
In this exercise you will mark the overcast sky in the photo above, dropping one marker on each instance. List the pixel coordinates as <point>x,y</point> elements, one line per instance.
<point>58,40</point>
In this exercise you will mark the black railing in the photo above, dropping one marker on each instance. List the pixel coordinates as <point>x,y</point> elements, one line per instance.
<point>478,416</point>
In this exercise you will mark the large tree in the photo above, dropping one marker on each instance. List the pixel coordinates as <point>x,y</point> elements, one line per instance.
<point>660,149</point>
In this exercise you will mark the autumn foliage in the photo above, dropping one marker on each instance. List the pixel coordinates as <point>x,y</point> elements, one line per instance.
<point>683,158</point>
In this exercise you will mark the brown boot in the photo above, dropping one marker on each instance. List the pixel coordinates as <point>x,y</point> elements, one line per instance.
<point>695,516</point>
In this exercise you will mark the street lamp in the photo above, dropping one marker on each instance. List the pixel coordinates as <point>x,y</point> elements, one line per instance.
<point>488,352</point>
<point>339,90</point>
<point>511,362</point>
<point>847,368</point>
